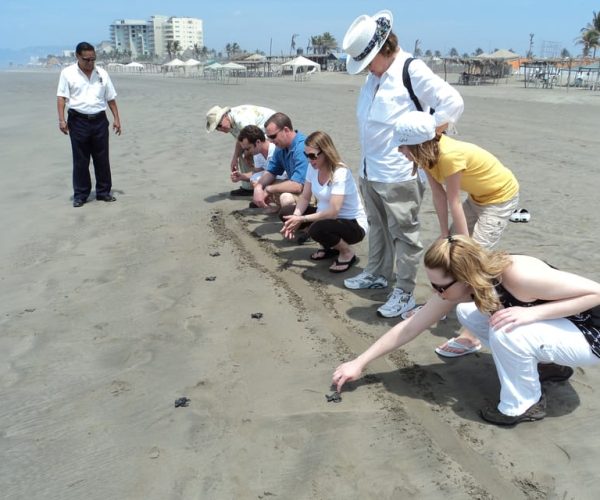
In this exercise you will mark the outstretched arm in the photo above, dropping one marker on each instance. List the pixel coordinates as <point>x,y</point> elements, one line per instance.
<point>401,334</point>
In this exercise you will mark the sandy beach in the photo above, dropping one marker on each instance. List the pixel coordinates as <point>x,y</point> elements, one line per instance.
<point>107,316</point>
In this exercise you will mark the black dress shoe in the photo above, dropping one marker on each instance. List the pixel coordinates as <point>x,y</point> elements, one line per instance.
<point>78,203</point>
<point>106,197</point>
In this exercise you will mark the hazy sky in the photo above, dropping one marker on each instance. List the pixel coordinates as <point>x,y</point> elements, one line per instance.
<point>440,24</point>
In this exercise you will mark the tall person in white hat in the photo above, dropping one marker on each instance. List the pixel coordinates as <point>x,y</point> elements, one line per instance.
<point>391,192</point>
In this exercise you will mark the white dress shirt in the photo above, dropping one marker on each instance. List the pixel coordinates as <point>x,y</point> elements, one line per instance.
<point>86,95</point>
<point>381,103</point>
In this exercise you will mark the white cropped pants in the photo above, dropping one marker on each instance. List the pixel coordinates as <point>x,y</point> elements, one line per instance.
<point>518,352</point>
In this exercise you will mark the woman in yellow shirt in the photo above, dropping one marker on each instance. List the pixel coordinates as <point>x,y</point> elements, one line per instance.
<point>453,167</point>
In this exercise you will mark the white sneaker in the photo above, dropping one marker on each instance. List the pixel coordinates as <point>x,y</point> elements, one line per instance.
<point>398,302</point>
<point>365,280</point>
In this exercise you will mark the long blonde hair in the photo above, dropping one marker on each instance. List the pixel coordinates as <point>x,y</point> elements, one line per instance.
<point>463,259</point>
<point>322,141</point>
<point>426,154</point>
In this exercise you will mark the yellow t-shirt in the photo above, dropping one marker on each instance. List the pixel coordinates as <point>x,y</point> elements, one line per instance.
<point>483,176</point>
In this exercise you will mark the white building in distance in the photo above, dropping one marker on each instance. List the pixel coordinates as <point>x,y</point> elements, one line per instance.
<point>152,37</point>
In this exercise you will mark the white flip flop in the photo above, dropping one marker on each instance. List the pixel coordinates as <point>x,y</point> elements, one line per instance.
<point>457,345</point>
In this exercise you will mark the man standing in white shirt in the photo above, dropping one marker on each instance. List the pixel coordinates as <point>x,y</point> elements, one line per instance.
<point>88,91</point>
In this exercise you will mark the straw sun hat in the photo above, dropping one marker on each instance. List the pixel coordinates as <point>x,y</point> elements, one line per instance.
<point>365,36</point>
<point>213,117</point>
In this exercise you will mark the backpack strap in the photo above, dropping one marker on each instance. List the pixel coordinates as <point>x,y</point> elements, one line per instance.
<point>408,84</point>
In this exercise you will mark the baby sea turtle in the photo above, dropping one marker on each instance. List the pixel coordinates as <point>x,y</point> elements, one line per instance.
<point>334,397</point>
<point>256,315</point>
<point>183,402</point>
<point>210,278</point>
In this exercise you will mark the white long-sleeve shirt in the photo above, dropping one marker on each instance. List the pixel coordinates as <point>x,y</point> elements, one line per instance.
<point>383,100</point>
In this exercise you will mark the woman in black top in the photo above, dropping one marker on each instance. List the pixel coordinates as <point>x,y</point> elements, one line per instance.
<point>525,311</point>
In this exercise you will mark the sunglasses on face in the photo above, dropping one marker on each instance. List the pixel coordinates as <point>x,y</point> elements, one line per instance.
<point>442,288</point>
<point>88,59</point>
<point>312,156</point>
<point>273,136</point>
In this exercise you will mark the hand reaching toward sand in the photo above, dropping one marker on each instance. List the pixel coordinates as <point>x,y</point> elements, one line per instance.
<point>346,372</point>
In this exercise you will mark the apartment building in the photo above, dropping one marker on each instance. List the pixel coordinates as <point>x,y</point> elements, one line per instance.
<point>131,35</point>
<point>151,37</point>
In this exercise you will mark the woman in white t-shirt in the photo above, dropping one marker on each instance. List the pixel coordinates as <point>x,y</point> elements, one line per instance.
<point>340,220</point>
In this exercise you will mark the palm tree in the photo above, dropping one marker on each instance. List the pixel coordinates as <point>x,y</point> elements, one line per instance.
<point>478,51</point>
<point>417,49</point>
<point>170,49</point>
<point>176,47</point>
<point>328,42</point>
<point>590,35</point>
<point>235,48</point>
<point>453,52</point>
<point>590,39</point>
<point>322,44</point>
<point>228,50</point>
<point>565,54</point>
<point>197,50</point>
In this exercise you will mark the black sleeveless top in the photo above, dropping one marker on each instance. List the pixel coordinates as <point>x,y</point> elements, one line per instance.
<point>587,321</point>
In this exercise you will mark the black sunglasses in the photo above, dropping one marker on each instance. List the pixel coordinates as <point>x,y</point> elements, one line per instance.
<point>273,136</point>
<point>88,59</point>
<point>442,288</point>
<point>312,156</point>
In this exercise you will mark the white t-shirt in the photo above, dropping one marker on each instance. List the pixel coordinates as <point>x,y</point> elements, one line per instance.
<point>342,183</point>
<point>86,95</point>
<point>260,163</point>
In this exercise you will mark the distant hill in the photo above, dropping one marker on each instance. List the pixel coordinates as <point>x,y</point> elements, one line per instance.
<point>21,57</point>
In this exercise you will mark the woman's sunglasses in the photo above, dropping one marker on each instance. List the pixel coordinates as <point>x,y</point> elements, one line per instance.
<point>442,288</point>
<point>312,156</point>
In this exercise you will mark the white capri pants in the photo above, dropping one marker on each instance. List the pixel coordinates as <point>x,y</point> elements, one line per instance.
<point>518,352</point>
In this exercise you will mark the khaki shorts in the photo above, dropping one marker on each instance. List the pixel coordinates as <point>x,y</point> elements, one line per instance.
<point>486,223</point>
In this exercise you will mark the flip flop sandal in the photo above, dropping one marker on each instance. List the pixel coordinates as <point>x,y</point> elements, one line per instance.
<point>324,253</point>
<point>456,345</point>
<point>348,265</point>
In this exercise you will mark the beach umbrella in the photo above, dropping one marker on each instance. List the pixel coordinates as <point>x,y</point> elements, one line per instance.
<point>301,62</point>
<point>175,63</point>
<point>232,65</point>
<point>192,62</point>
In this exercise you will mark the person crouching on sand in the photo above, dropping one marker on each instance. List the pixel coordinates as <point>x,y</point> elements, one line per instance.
<point>340,220</point>
<point>529,314</point>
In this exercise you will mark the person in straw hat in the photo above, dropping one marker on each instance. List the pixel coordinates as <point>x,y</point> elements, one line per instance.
<point>233,120</point>
<point>392,193</point>
<point>452,167</point>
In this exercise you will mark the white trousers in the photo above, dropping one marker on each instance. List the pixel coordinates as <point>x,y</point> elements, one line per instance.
<point>518,352</point>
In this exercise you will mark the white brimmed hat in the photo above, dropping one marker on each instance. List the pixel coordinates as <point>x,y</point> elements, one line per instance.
<point>414,127</point>
<point>365,36</point>
<point>213,117</point>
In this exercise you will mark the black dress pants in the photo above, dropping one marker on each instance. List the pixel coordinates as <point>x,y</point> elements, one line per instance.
<point>89,138</point>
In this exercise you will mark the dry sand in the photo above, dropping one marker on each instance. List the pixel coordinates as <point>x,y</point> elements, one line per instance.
<point>107,317</point>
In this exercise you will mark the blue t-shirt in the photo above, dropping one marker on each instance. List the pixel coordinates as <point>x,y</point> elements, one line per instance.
<point>290,160</point>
